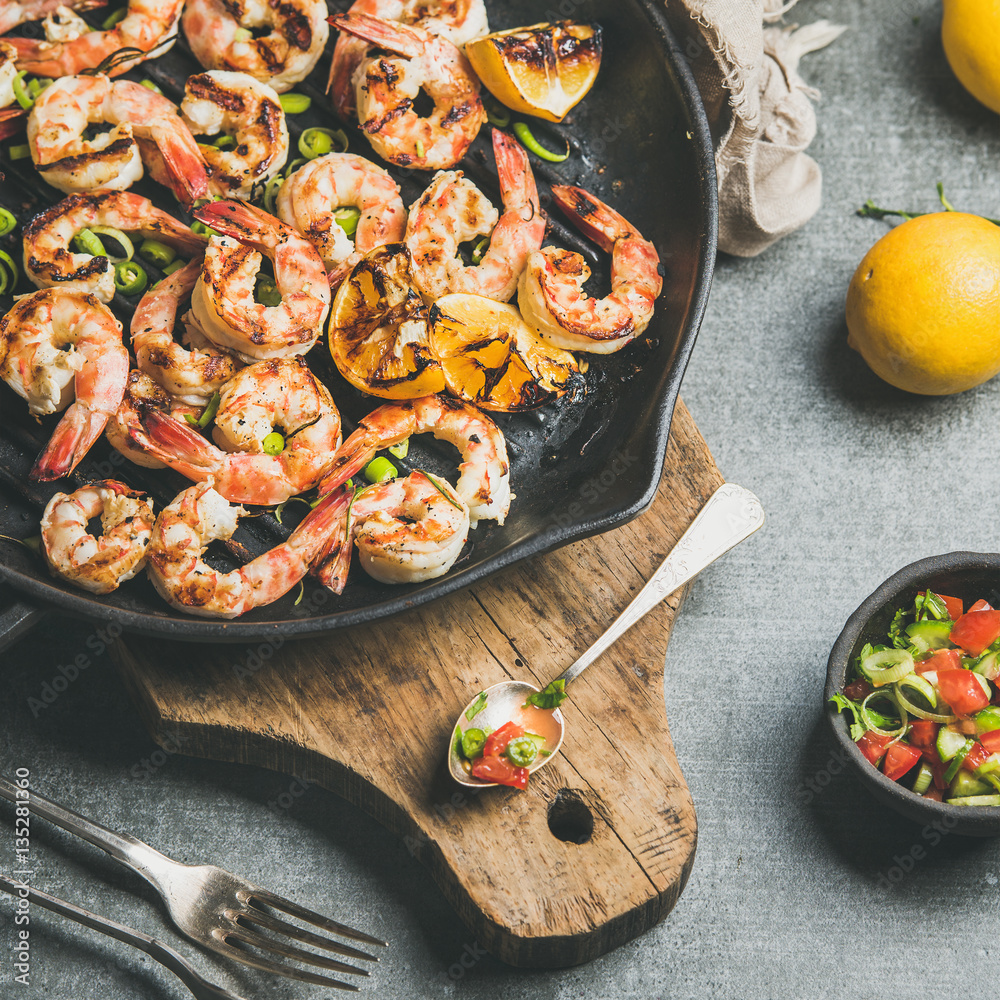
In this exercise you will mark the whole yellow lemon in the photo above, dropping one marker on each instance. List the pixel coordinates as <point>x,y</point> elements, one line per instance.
<point>970,32</point>
<point>923,307</point>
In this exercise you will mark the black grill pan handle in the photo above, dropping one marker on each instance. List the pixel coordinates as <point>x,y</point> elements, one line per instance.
<point>17,618</point>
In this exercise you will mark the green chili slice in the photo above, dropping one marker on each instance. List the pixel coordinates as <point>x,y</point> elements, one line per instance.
<point>274,444</point>
<point>380,470</point>
<point>320,141</point>
<point>20,152</point>
<point>400,450</point>
<point>295,104</point>
<point>473,741</point>
<point>8,273</point>
<point>529,142</point>
<point>266,291</point>
<point>522,751</point>
<point>224,142</point>
<point>113,18</point>
<point>497,114</point>
<point>7,222</point>
<point>479,250</point>
<point>21,91</point>
<point>348,219</point>
<point>157,253</point>
<point>130,278</point>
<point>149,85</point>
<point>87,242</point>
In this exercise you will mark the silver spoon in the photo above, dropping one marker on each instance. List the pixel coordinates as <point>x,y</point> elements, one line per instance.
<point>730,515</point>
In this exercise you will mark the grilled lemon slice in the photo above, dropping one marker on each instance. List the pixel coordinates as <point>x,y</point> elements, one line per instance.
<point>543,70</point>
<point>492,358</point>
<point>379,329</point>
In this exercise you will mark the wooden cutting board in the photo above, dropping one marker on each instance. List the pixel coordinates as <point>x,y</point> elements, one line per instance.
<point>599,847</point>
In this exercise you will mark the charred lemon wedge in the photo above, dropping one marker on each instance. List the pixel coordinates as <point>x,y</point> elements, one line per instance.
<point>543,70</point>
<point>379,328</point>
<point>492,358</point>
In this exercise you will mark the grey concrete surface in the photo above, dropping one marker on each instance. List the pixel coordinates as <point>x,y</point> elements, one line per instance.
<point>788,897</point>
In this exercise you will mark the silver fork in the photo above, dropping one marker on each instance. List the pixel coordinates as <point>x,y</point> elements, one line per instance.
<point>215,908</point>
<point>201,988</point>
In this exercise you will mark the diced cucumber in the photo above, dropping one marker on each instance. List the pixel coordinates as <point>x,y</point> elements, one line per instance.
<point>929,634</point>
<point>964,784</point>
<point>976,800</point>
<point>988,719</point>
<point>949,742</point>
<point>989,766</point>
<point>988,665</point>
<point>923,779</point>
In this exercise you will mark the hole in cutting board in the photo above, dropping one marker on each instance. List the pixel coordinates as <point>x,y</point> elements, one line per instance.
<point>570,818</point>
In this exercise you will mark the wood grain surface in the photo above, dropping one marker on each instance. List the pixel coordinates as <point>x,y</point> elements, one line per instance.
<point>368,713</point>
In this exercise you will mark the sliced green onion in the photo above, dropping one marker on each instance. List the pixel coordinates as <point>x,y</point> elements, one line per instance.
<point>294,165</point>
<point>21,92</point>
<point>7,222</point>
<point>887,666</point>
<point>273,443</point>
<point>149,85</point>
<point>522,751</point>
<point>271,189</point>
<point>35,86</point>
<point>497,114</point>
<point>871,722</point>
<point>266,291</point>
<point>320,141</point>
<point>380,470</point>
<point>529,142</point>
<point>157,253</point>
<point>920,713</point>
<point>125,244</point>
<point>113,18</point>
<point>402,449</point>
<point>347,219</point>
<point>420,149</point>
<point>472,743</point>
<point>242,35</point>
<point>207,415</point>
<point>224,142</point>
<point>479,250</point>
<point>87,242</point>
<point>8,273</point>
<point>130,278</point>
<point>20,152</point>
<point>201,229</point>
<point>923,780</point>
<point>295,104</point>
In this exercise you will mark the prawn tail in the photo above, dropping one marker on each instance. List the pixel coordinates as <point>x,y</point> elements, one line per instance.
<point>11,122</point>
<point>185,170</point>
<point>592,217</point>
<point>328,524</point>
<point>388,35</point>
<point>79,428</point>
<point>242,221</point>
<point>517,182</point>
<point>173,442</point>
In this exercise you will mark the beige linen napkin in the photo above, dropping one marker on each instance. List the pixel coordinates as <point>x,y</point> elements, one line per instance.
<point>760,111</point>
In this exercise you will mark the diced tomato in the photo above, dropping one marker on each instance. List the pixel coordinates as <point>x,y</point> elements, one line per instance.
<point>858,690</point>
<point>899,758</point>
<point>935,793</point>
<point>500,770</point>
<point>975,630</point>
<point>975,757</point>
<point>497,742</point>
<point>991,741</point>
<point>923,732</point>
<point>940,659</point>
<point>873,746</point>
<point>962,690</point>
<point>981,605</point>
<point>953,604</point>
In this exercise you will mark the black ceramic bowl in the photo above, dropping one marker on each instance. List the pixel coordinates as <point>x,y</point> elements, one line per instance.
<point>968,575</point>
